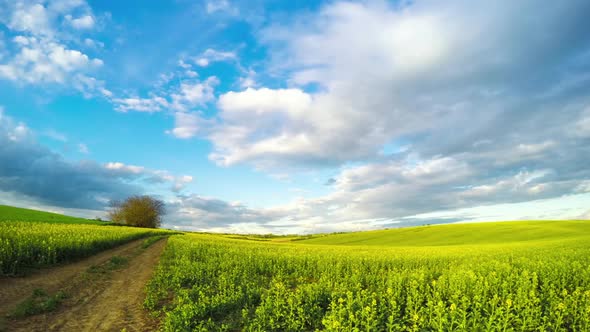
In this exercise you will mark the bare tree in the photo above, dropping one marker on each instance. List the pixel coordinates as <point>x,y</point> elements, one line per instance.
<point>140,211</point>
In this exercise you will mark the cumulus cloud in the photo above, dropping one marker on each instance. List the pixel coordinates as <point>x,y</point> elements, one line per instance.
<point>40,52</point>
<point>42,61</point>
<point>427,68</point>
<point>34,18</point>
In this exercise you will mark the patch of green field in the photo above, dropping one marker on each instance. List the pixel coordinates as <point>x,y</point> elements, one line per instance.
<point>521,276</point>
<point>460,234</point>
<point>11,213</point>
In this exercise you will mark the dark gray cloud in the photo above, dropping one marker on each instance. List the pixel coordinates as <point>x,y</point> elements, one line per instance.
<point>32,170</point>
<point>204,212</point>
<point>35,172</point>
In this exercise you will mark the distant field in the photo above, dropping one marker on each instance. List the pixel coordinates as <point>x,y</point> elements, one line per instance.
<point>513,276</point>
<point>460,234</point>
<point>11,213</point>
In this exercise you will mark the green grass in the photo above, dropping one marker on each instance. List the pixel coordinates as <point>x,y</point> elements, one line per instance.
<point>491,233</point>
<point>11,213</point>
<point>39,302</point>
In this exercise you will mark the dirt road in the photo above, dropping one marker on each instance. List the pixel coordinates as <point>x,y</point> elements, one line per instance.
<point>110,300</point>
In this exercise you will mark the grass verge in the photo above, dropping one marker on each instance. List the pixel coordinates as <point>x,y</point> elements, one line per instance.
<point>39,302</point>
<point>151,240</point>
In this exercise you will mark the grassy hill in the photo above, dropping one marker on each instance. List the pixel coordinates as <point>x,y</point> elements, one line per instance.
<point>461,234</point>
<point>11,213</point>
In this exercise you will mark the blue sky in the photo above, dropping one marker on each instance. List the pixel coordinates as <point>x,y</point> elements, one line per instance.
<point>300,116</point>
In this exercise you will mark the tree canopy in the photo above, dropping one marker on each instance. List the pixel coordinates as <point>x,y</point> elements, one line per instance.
<point>140,211</point>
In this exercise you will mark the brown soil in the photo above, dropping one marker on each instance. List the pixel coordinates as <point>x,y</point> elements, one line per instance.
<point>107,300</point>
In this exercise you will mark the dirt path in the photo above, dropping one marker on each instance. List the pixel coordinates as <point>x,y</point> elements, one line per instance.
<point>106,301</point>
<point>14,290</point>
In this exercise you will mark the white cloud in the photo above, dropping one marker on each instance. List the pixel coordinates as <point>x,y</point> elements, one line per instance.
<point>193,93</point>
<point>40,61</point>
<point>188,94</point>
<point>188,125</point>
<point>65,6</point>
<point>153,104</point>
<point>202,62</point>
<point>583,187</point>
<point>41,53</point>
<point>93,43</point>
<point>83,148</point>
<point>535,148</point>
<point>248,81</point>
<point>211,55</point>
<point>292,102</point>
<point>582,126</point>
<point>521,152</point>
<point>181,182</point>
<point>84,22</point>
<point>55,135</point>
<point>148,175</point>
<point>120,167</point>
<point>523,182</point>
<point>214,6</point>
<point>30,18</point>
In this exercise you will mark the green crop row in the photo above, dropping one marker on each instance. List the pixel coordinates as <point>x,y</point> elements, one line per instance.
<point>30,244</point>
<point>208,283</point>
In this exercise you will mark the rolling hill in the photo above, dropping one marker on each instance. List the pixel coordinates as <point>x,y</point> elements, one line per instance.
<point>11,213</point>
<point>460,234</point>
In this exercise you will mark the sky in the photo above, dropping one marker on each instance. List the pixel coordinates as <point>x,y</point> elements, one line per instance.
<point>269,116</point>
